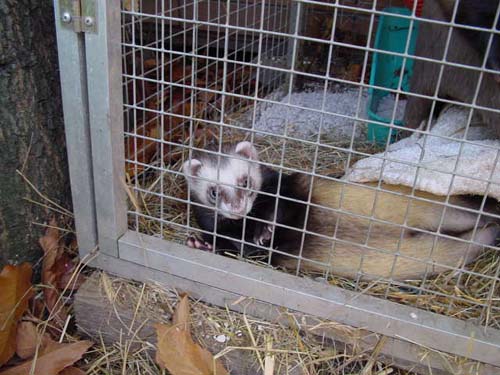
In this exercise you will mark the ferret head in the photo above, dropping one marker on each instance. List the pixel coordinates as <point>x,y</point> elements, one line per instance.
<point>227,187</point>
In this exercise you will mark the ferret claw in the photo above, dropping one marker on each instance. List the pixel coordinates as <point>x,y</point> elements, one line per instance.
<point>265,236</point>
<point>195,243</point>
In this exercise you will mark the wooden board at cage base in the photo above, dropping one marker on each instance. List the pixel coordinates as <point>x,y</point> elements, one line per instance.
<point>130,319</point>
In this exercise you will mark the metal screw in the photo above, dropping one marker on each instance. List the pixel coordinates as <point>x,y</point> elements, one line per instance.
<point>89,21</point>
<point>66,17</point>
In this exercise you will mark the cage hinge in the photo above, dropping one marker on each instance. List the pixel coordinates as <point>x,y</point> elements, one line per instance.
<point>79,15</point>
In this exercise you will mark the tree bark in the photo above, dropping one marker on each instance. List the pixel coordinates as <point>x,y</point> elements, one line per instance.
<point>31,126</point>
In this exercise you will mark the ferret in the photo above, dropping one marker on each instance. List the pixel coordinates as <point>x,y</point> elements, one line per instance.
<point>478,14</point>
<point>227,184</point>
<point>366,224</point>
<point>466,47</point>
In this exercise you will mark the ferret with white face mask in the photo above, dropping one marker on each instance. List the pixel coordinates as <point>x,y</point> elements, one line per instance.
<point>348,228</point>
<point>228,184</point>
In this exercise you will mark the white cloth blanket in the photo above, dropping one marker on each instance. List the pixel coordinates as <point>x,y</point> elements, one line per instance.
<point>429,161</point>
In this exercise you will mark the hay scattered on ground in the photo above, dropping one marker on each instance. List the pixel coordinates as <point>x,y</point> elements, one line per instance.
<point>238,339</point>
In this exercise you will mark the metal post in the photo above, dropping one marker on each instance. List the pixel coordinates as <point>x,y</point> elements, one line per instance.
<point>75,106</point>
<point>103,55</point>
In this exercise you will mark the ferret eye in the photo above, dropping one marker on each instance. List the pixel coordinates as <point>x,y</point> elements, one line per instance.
<point>244,182</point>
<point>212,193</point>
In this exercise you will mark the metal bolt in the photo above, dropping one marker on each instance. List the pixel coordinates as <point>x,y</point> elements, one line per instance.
<point>66,17</point>
<point>89,21</point>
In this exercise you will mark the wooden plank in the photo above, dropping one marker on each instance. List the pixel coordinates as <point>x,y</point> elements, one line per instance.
<point>77,128</point>
<point>105,93</point>
<point>124,323</point>
<point>403,354</point>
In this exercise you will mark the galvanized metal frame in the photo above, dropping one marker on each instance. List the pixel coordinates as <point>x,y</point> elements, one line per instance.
<point>103,57</point>
<point>72,68</point>
<point>137,255</point>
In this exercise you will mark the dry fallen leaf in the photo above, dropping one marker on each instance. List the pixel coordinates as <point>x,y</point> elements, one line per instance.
<point>28,339</point>
<point>178,353</point>
<point>353,72</point>
<point>180,71</point>
<point>72,371</point>
<point>181,314</point>
<point>52,253</point>
<point>64,269</point>
<point>53,359</point>
<point>131,5</point>
<point>15,284</point>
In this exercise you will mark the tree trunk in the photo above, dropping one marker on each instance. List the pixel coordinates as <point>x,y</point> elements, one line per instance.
<point>31,126</point>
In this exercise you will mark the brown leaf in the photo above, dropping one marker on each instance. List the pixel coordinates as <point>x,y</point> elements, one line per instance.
<point>51,248</point>
<point>131,5</point>
<point>178,353</point>
<point>28,339</point>
<point>37,308</point>
<point>180,71</point>
<point>181,314</point>
<point>53,360</point>
<point>72,371</point>
<point>15,284</point>
<point>69,283</point>
<point>353,72</point>
<point>206,97</point>
<point>50,345</point>
<point>149,64</point>
<point>55,305</point>
<point>52,253</point>
<point>64,269</point>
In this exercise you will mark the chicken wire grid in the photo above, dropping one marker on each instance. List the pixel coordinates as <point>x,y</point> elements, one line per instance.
<point>203,73</point>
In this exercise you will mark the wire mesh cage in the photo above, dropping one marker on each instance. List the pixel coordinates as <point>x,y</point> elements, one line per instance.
<point>292,78</point>
<point>351,145</point>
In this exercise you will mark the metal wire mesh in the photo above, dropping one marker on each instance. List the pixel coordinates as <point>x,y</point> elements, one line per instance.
<point>201,74</point>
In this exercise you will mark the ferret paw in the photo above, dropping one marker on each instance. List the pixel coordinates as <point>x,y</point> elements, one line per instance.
<point>195,243</point>
<point>263,235</point>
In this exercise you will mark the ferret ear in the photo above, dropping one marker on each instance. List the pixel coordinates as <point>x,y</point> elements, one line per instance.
<point>247,150</point>
<point>191,167</point>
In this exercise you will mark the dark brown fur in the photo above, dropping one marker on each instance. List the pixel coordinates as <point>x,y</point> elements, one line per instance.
<point>466,47</point>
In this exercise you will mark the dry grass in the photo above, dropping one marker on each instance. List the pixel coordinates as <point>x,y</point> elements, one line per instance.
<point>467,297</point>
<point>240,340</point>
<point>296,344</point>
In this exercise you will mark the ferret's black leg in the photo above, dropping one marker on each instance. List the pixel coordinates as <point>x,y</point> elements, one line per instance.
<point>223,244</point>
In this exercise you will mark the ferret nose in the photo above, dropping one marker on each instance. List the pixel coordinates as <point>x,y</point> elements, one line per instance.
<point>239,207</point>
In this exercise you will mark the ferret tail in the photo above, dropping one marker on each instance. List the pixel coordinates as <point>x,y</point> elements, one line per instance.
<point>373,243</point>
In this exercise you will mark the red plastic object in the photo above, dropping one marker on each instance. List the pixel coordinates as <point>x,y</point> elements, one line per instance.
<point>420,5</point>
